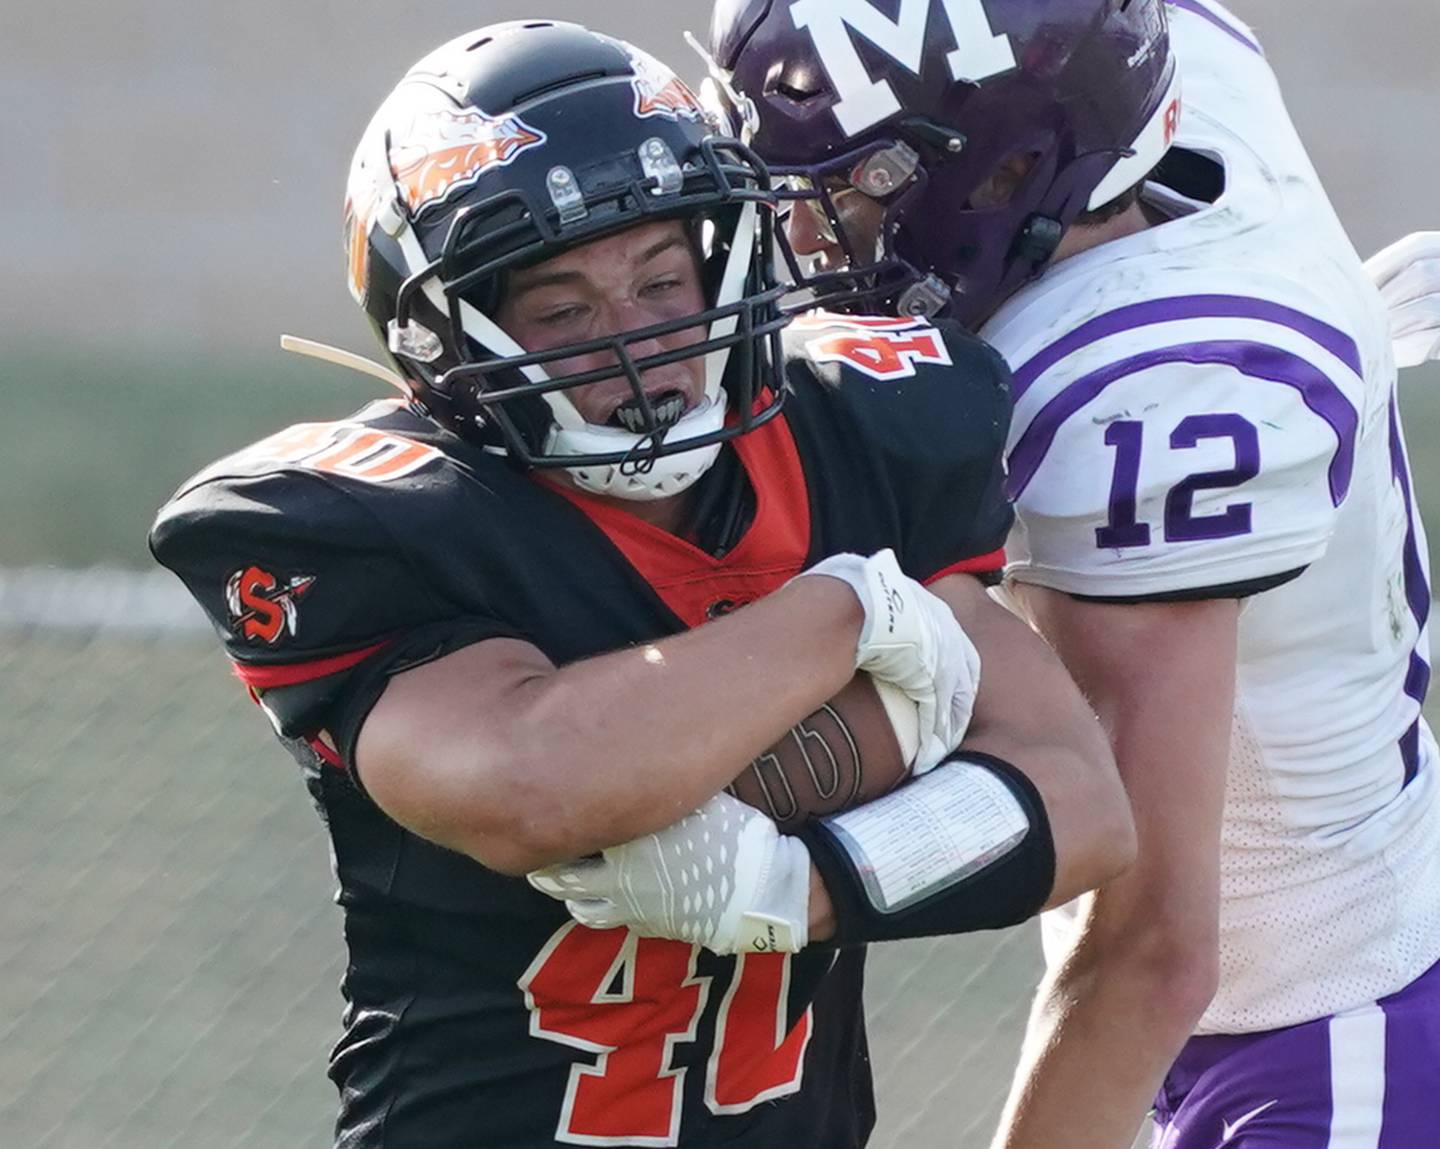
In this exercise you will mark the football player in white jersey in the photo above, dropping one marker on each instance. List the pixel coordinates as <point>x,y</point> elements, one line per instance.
<point>1216,529</point>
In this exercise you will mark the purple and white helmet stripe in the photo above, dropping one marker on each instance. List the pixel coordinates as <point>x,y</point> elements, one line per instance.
<point>1221,19</point>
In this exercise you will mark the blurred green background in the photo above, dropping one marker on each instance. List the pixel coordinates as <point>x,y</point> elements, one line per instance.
<point>151,423</point>
<point>174,174</point>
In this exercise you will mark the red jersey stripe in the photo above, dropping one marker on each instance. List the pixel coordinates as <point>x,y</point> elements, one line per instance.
<point>328,755</point>
<point>980,564</point>
<point>697,586</point>
<point>293,674</point>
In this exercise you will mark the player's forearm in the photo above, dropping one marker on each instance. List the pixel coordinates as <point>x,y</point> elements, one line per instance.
<point>629,742</point>
<point>1142,971</point>
<point>1030,713</point>
<point>566,761</point>
<point>1101,1037</point>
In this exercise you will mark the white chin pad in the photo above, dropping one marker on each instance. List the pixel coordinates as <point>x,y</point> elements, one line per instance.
<point>658,479</point>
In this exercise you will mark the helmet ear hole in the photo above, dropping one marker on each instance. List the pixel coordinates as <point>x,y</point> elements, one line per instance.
<point>1005,179</point>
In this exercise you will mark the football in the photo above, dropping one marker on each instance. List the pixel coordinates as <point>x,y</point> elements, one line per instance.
<point>856,747</point>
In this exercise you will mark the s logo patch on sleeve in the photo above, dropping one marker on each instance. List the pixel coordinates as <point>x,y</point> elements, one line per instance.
<point>262,608</point>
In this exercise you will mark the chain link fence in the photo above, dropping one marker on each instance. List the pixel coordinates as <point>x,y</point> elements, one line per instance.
<point>172,956</point>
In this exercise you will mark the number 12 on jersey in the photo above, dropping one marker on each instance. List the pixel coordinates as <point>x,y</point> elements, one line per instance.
<point>1123,527</point>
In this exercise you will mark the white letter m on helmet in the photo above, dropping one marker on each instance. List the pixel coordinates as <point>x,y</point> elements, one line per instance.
<point>978,54</point>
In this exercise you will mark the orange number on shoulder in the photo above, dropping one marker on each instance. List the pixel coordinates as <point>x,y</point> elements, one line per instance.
<point>350,449</point>
<point>881,348</point>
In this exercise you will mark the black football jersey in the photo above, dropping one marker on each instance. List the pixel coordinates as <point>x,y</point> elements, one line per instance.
<point>334,555</point>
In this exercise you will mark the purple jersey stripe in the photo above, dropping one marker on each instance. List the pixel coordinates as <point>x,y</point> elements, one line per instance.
<point>1219,22</point>
<point>1410,750</point>
<point>1417,595</point>
<point>1179,307</point>
<point>1417,588</point>
<point>1255,360</point>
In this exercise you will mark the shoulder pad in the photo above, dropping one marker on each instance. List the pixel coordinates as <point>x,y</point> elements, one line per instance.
<point>921,408</point>
<point>382,444</point>
<point>1184,474</point>
<point>288,568</point>
<point>930,395</point>
<point>882,348</point>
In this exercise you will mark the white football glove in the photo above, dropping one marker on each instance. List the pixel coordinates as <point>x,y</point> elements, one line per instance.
<point>912,640</point>
<point>1408,276</point>
<point>723,877</point>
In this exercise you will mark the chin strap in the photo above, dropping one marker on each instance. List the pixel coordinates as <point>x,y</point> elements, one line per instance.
<point>342,358</point>
<point>648,479</point>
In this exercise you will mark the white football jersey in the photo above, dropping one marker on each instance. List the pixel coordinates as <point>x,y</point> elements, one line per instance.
<point>1211,404</point>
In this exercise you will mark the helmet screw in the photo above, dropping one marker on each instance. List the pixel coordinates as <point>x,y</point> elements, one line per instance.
<point>955,144</point>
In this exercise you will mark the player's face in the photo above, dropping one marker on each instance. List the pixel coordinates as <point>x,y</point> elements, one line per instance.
<point>862,217</point>
<point>625,282</point>
<point>812,235</point>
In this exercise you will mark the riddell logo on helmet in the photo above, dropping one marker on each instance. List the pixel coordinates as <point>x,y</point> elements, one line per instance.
<point>659,91</point>
<point>262,608</point>
<point>448,148</point>
<point>1172,120</point>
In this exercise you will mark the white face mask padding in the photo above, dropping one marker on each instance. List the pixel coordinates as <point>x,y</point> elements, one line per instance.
<point>571,435</point>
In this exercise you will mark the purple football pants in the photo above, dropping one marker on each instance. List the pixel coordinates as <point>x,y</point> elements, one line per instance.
<point>1368,1078</point>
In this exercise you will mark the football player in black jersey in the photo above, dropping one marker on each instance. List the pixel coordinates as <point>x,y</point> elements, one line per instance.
<point>487,620</point>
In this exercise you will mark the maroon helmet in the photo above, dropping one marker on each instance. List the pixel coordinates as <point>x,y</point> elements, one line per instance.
<point>983,129</point>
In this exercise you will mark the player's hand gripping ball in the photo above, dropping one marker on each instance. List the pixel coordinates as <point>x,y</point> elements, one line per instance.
<point>726,876</point>
<point>911,640</point>
<point>722,877</point>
